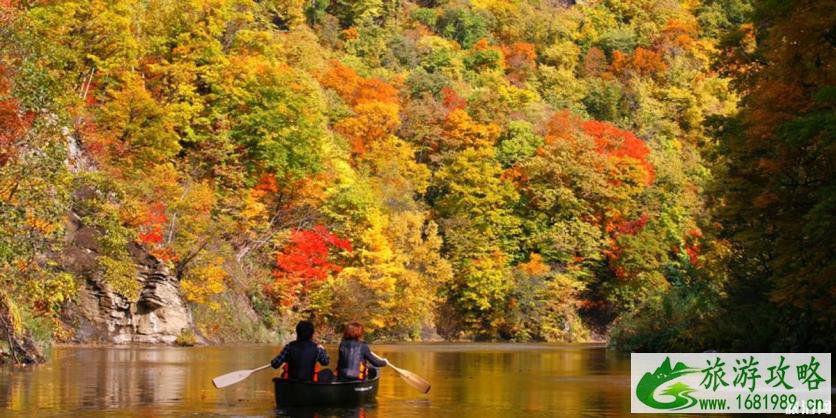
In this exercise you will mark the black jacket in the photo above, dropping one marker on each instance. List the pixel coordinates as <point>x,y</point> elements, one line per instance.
<point>353,354</point>
<point>301,358</point>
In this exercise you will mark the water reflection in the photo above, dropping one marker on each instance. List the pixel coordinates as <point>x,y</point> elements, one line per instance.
<point>299,412</point>
<point>479,380</point>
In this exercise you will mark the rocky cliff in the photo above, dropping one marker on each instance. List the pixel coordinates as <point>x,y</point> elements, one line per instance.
<point>159,314</point>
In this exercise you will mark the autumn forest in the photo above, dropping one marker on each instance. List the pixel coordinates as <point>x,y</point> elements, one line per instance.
<point>657,174</point>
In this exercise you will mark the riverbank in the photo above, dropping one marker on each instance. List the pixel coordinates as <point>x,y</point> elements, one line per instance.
<point>438,343</point>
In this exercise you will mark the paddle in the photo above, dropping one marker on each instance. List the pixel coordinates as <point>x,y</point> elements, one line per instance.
<point>412,379</point>
<point>235,377</point>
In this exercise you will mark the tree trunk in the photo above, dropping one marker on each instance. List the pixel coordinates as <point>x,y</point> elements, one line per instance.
<point>21,348</point>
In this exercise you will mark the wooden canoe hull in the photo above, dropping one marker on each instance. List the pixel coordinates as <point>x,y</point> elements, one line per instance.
<point>337,393</point>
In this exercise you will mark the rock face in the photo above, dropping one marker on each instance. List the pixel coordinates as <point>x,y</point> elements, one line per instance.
<point>158,315</point>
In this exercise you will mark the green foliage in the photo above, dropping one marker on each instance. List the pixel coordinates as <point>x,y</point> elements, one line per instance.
<point>477,203</point>
<point>776,186</point>
<point>479,293</point>
<point>717,17</point>
<point>277,119</point>
<point>352,12</point>
<point>463,25</point>
<point>96,202</point>
<point>485,59</point>
<point>476,209</point>
<point>427,16</point>
<point>680,319</point>
<point>618,39</point>
<point>603,100</point>
<point>542,304</point>
<point>518,143</point>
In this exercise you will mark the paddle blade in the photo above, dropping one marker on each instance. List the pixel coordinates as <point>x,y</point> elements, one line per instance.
<point>413,380</point>
<point>231,378</point>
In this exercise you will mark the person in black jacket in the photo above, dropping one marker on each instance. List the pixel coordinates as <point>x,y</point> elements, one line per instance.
<point>354,355</point>
<point>301,356</point>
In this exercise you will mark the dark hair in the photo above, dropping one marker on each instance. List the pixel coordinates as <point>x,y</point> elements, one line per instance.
<point>304,330</point>
<point>353,331</point>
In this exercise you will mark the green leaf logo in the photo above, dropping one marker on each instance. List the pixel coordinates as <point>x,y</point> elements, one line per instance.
<point>680,391</point>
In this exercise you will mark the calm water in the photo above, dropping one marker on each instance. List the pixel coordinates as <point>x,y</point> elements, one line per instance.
<point>469,380</point>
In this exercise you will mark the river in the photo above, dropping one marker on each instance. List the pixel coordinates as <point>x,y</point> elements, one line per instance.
<point>469,380</point>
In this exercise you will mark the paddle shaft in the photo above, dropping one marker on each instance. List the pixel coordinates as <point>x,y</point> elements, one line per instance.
<point>388,363</point>
<point>261,368</point>
<point>235,377</point>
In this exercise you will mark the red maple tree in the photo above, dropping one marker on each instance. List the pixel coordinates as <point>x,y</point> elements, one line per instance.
<point>305,260</point>
<point>153,223</point>
<point>14,122</point>
<point>615,142</point>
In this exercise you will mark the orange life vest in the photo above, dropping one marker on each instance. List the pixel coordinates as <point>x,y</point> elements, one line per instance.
<point>362,374</point>
<point>315,372</point>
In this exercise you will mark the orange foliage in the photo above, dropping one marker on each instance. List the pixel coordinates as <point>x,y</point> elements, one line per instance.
<point>520,61</point>
<point>615,226</point>
<point>151,230</point>
<point>694,247</point>
<point>562,126</point>
<point>8,11</point>
<point>341,79</point>
<point>676,34</point>
<point>619,225</point>
<point>647,62</point>
<point>618,143</point>
<point>373,121</point>
<point>594,62</point>
<point>481,45</point>
<point>267,183</point>
<point>374,90</point>
<point>520,53</point>
<point>375,103</point>
<point>535,266</point>
<point>350,34</point>
<point>355,89</point>
<point>461,131</point>
<point>643,62</point>
<point>152,224</point>
<point>452,100</point>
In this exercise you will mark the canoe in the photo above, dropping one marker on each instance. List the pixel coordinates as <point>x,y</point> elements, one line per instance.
<point>290,393</point>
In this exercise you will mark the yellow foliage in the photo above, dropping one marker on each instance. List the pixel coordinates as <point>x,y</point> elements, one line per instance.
<point>204,282</point>
<point>254,211</point>
<point>292,12</point>
<point>392,160</point>
<point>50,290</point>
<point>460,131</point>
<point>120,275</point>
<point>13,312</point>
<point>199,199</point>
<point>375,247</point>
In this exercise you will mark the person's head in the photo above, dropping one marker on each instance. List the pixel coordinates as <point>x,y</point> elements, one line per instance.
<point>353,331</point>
<point>304,330</point>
